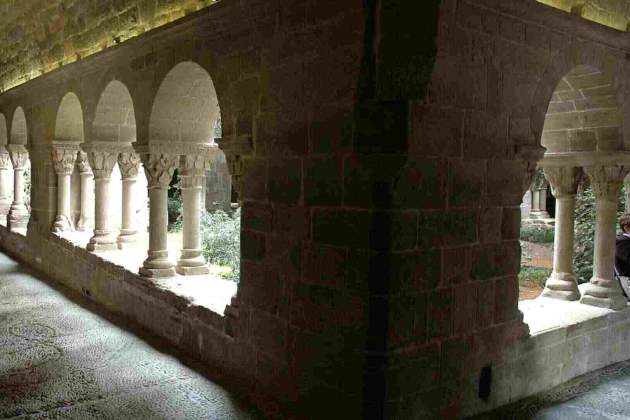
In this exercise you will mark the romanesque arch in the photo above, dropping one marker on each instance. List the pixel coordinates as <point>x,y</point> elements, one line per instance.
<point>68,133</point>
<point>182,126</point>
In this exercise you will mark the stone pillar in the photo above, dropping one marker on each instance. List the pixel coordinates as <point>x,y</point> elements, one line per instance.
<point>128,162</point>
<point>64,156</point>
<point>102,162</point>
<point>603,290</point>
<point>5,192</point>
<point>535,201</point>
<point>159,168</point>
<point>562,283</point>
<point>542,202</point>
<point>86,219</point>
<point>191,261</point>
<point>18,213</point>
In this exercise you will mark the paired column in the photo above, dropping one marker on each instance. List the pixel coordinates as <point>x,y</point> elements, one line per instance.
<point>603,290</point>
<point>18,213</point>
<point>562,283</point>
<point>128,162</point>
<point>64,157</point>
<point>159,168</point>
<point>102,162</point>
<point>191,261</point>
<point>5,191</point>
<point>86,220</point>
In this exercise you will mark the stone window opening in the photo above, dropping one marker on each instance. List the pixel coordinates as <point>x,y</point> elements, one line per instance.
<point>583,141</point>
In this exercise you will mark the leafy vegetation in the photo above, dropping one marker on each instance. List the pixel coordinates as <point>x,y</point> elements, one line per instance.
<point>221,233</point>
<point>537,233</point>
<point>534,275</point>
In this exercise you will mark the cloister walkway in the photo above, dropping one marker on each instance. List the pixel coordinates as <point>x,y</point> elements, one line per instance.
<point>61,360</point>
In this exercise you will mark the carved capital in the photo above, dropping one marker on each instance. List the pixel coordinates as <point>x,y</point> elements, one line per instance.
<point>563,180</point>
<point>607,181</point>
<point>83,163</point>
<point>5,159</point>
<point>159,168</point>
<point>129,163</point>
<point>19,156</point>
<point>235,148</point>
<point>198,162</point>
<point>64,156</point>
<point>528,156</point>
<point>102,163</point>
<point>539,181</point>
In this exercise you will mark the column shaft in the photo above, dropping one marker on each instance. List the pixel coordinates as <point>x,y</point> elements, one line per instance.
<point>128,163</point>
<point>86,220</point>
<point>564,183</point>
<point>603,290</point>
<point>63,221</point>
<point>102,159</point>
<point>159,168</point>
<point>157,263</point>
<point>191,261</point>
<point>18,213</point>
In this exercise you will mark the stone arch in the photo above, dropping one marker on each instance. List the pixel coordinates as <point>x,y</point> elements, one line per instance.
<point>185,106</point>
<point>583,113</point>
<point>69,119</point>
<point>574,56</point>
<point>114,117</point>
<point>19,130</point>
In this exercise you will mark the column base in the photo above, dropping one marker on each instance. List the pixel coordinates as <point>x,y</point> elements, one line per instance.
<point>192,271</point>
<point>101,242</point>
<point>17,218</point>
<point>157,265</point>
<point>561,286</point>
<point>126,239</point>
<point>156,273</point>
<point>604,293</point>
<point>62,224</point>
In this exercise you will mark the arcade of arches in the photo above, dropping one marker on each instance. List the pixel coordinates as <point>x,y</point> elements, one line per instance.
<point>379,165</point>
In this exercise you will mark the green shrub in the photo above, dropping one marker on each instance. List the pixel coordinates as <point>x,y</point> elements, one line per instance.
<point>537,233</point>
<point>534,275</point>
<point>174,204</point>
<point>221,233</point>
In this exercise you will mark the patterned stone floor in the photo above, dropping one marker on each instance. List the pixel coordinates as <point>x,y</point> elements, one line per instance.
<point>61,360</point>
<point>604,394</point>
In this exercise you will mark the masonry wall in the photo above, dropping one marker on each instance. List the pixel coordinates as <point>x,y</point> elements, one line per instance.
<point>38,36</point>
<point>613,13</point>
<point>380,165</point>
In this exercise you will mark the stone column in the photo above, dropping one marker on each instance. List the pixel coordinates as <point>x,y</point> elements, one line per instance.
<point>64,156</point>
<point>562,283</point>
<point>18,213</point>
<point>102,162</point>
<point>128,162</point>
<point>5,192</point>
<point>535,201</point>
<point>86,219</point>
<point>542,202</point>
<point>159,168</point>
<point>603,290</point>
<point>191,261</point>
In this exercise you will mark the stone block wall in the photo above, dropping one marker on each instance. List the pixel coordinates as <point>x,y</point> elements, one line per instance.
<point>613,13</point>
<point>380,165</point>
<point>38,36</point>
